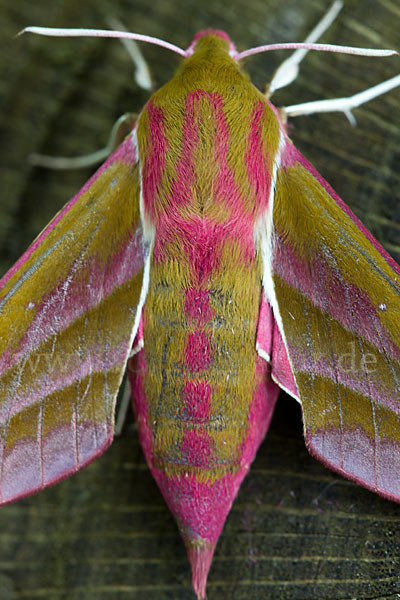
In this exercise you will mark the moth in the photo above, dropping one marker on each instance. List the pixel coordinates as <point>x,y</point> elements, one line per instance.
<point>209,255</point>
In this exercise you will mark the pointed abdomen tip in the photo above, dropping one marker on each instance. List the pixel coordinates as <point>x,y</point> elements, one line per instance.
<point>200,553</point>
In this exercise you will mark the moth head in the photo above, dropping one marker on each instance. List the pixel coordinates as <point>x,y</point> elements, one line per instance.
<point>212,38</point>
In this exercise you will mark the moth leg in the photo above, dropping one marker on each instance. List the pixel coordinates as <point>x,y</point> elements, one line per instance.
<point>142,73</point>
<point>123,406</point>
<point>287,72</point>
<point>121,127</point>
<point>344,105</point>
<point>120,130</point>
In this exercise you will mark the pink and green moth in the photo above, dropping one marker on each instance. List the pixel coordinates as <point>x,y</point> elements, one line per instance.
<point>212,258</point>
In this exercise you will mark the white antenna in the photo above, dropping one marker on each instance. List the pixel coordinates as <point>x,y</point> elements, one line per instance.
<point>105,33</point>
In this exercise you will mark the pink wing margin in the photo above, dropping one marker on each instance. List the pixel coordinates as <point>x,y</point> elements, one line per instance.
<point>69,311</point>
<point>271,347</point>
<point>337,303</point>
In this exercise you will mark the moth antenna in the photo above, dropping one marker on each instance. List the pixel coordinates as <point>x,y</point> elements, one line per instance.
<point>105,33</point>
<point>288,70</point>
<point>319,47</point>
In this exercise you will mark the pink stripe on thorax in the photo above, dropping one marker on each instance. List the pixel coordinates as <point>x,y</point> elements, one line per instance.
<point>225,189</point>
<point>257,168</point>
<point>154,163</point>
<point>201,238</point>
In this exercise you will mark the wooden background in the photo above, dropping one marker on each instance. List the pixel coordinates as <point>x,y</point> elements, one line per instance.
<point>296,531</point>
